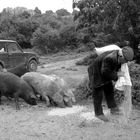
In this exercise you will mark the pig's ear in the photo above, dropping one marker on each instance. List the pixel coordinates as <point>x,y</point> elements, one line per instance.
<point>57,98</point>
<point>33,97</point>
<point>69,94</point>
<point>66,99</point>
<point>73,99</point>
<point>68,103</point>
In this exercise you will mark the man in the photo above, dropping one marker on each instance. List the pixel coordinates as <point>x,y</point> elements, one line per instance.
<point>105,69</point>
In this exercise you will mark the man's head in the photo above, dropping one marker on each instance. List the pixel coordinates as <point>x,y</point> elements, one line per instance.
<point>126,55</point>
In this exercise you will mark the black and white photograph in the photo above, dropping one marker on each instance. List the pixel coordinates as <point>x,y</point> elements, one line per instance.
<point>70,70</point>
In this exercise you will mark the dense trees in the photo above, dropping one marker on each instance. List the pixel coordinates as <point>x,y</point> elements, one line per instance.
<point>109,18</point>
<point>48,32</point>
<point>62,12</point>
<point>95,23</point>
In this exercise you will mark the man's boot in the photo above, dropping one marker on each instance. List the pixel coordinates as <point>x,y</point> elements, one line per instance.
<point>102,117</point>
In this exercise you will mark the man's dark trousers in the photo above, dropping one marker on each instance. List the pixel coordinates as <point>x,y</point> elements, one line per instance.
<point>108,91</point>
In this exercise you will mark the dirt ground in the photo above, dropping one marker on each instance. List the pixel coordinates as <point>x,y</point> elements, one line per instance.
<point>76,123</point>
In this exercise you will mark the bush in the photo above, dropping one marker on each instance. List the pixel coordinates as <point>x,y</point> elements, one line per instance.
<point>68,36</point>
<point>135,77</point>
<point>46,39</point>
<point>82,91</point>
<point>87,60</point>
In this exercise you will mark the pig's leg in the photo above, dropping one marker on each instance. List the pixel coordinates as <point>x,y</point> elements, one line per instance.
<point>0,97</point>
<point>62,105</point>
<point>16,101</point>
<point>9,98</point>
<point>47,100</point>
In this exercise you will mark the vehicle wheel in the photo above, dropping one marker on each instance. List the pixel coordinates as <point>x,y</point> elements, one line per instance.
<point>32,65</point>
<point>1,68</point>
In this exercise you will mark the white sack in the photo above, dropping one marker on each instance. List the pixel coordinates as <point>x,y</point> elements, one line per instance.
<point>107,48</point>
<point>125,80</point>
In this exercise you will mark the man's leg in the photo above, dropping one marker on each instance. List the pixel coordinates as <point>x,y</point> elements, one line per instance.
<point>97,101</point>
<point>109,95</point>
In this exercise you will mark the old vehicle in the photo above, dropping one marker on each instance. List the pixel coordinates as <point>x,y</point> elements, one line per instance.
<point>12,55</point>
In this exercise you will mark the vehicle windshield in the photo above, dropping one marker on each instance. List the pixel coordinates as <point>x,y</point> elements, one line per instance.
<point>2,47</point>
<point>13,48</point>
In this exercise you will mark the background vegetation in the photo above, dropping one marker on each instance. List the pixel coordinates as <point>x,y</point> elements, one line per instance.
<point>94,23</point>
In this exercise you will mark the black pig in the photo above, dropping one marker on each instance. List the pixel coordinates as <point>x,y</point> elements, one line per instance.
<point>11,86</point>
<point>19,70</point>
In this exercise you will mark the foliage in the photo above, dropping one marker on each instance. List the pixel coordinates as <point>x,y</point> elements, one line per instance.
<point>82,92</point>
<point>96,23</point>
<point>68,36</point>
<point>49,12</point>
<point>46,39</point>
<point>49,32</point>
<point>37,11</point>
<point>62,12</point>
<point>87,60</point>
<point>112,17</point>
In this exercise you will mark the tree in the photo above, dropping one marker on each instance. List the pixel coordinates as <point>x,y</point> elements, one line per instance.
<point>8,29</point>
<point>109,16</point>
<point>68,36</point>
<point>49,12</point>
<point>46,39</point>
<point>31,28</point>
<point>62,12</point>
<point>25,14</point>
<point>51,20</point>
<point>37,11</point>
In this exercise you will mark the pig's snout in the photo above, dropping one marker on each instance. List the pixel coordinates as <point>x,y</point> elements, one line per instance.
<point>32,101</point>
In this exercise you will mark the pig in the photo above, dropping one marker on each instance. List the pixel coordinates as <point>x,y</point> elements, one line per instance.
<point>64,91</point>
<point>19,70</point>
<point>12,86</point>
<point>51,88</point>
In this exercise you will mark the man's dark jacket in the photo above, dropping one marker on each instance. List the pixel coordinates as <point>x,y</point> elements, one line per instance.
<point>104,69</point>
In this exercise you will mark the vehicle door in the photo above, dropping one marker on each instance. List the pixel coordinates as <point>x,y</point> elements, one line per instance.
<point>3,54</point>
<point>15,54</point>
